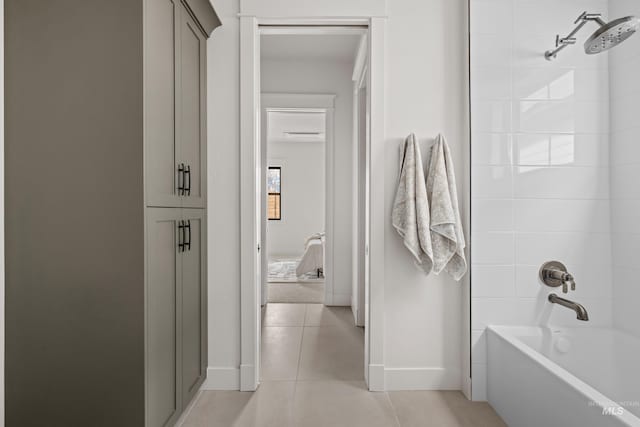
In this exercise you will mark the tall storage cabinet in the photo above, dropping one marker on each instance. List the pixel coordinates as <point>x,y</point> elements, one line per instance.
<point>176,197</point>
<point>176,310</point>
<point>105,218</point>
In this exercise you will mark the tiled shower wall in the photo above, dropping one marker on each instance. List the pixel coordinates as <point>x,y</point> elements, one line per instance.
<point>540,168</point>
<point>624,73</point>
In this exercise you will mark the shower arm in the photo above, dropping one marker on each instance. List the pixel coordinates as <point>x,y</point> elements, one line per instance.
<point>562,42</point>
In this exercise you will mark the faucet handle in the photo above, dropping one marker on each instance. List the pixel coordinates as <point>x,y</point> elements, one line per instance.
<point>566,279</point>
<point>555,274</point>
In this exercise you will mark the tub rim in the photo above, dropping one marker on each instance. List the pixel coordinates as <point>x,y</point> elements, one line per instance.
<point>505,333</point>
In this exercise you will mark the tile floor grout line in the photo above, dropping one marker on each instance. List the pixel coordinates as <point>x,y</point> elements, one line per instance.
<point>295,382</point>
<point>306,306</point>
<point>304,318</point>
<point>393,408</point>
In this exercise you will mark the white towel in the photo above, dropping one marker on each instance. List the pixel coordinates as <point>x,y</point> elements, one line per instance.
<point>410,215</point>
<point>446,228</point>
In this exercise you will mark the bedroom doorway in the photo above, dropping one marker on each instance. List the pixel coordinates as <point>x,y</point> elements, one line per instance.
<point>295,161</point>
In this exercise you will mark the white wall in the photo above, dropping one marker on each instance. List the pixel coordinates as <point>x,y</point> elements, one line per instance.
<point>424,94</point>
<point>624,63</point>
<point>425,80</point>
<point>223,127</point>
<point>303,194</point>
<point>325,77</point>
<point>540,168</point>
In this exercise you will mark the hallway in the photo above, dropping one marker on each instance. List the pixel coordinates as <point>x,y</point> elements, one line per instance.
<point>313,375</point>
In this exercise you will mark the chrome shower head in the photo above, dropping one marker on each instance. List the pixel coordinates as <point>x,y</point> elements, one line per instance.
<point>611,34</point>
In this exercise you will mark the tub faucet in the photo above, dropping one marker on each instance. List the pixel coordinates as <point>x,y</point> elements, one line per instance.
<point>581,312</point>
<point>554,274</point>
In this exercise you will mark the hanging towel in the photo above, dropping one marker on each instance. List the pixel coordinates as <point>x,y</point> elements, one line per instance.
<point>410,215</point>
<point>446,228</point>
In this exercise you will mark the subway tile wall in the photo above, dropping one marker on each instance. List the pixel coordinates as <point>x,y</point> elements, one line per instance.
<point>624,72</point>
<point>541,168</point>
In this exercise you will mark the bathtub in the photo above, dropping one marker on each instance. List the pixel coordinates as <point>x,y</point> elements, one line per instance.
<point>548,376</point>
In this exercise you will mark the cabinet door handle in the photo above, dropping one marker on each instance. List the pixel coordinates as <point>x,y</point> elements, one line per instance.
<point>181,228</point>
<point>188,242</point>
<point>181,179</point>
<point>187,185</point>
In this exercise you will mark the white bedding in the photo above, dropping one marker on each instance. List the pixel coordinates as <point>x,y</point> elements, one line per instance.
<point>313,257</point>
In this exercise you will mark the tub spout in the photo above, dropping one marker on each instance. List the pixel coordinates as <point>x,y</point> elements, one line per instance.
<point>581,312</point>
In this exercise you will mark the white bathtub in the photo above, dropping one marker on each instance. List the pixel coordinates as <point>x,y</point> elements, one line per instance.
<point>548,377</point>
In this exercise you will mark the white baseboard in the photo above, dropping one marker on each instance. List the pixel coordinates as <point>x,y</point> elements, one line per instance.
<point>376,378</point>
<point>422,379</point>
<point>380,379</point>
<point>222,379</point>
<point>248,378</point>
<point>341,300</point>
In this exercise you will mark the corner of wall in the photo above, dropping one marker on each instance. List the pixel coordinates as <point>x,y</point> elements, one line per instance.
<point>219,378</point>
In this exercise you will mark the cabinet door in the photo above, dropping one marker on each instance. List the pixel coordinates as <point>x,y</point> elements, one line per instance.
<point>164,403</point>
<point>194,304</point>
<point>192,108</point>
<point>161,158</point>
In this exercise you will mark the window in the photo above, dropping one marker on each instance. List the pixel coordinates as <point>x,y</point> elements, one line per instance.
<point>273,187</point>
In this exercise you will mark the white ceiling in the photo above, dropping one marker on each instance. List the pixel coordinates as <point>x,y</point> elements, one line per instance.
<point>295,127</point>
<point>340,48</point>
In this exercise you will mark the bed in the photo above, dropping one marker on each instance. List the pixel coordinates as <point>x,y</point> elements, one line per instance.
<point>312,262</point>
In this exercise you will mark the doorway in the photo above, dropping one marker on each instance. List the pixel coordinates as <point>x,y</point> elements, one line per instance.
<point>371,363</point>
<point>308,331</point>
<point>297,151</point>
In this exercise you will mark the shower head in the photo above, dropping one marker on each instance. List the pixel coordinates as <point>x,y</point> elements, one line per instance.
<point>611,34</point>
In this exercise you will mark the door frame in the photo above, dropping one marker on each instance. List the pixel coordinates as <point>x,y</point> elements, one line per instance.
<point>250,190</point>
<point>324,103</point>
<point>359,141</point>
<point>2,270</point>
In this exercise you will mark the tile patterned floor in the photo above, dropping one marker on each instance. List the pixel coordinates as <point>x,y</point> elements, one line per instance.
<point>313,376</point>
<point>296,292</point>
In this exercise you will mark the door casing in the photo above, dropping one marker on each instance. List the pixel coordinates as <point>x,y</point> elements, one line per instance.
<point>251,189</point>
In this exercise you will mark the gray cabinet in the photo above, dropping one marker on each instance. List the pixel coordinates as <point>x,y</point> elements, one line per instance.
<point>176,219</point>
<point>191,109</point>
<point>163,312</point>
<point>193,292</point>
<point>105,231</point>
<point>176,310</point>
<point>175,102</point>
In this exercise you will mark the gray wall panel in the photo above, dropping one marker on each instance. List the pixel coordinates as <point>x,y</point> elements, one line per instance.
<point>74,213</point>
